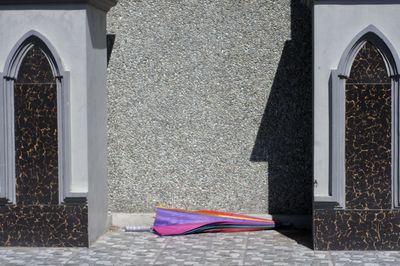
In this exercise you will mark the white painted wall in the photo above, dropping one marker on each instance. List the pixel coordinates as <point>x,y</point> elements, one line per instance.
<point>97,121</point>
<point>64,27</point>
<point>335,26</point>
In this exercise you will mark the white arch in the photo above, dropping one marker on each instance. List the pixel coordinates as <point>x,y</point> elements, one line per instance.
<point>379,40</point>
<point>23,45</point>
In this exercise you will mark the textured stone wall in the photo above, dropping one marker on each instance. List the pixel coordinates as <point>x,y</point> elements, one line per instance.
<point>210,106</point>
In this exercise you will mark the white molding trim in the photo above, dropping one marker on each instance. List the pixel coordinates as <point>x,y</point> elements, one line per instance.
<point>104,5</point>
<point>3,142</point>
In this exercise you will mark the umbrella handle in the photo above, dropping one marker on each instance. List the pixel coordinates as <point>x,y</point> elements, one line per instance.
<point>138,229</point>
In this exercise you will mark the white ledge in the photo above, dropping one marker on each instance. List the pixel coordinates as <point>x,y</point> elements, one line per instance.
<point>101,4</point>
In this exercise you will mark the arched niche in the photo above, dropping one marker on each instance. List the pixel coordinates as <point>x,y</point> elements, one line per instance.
<point>35,84</point>
<point>386,57</point>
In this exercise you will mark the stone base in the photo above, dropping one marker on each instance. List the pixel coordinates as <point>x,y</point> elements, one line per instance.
<point>44,225</point>
<point>356,229</point>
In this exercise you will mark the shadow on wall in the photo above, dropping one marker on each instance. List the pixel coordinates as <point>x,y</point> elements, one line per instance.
<point>284,138</point>
<point>110,46</point>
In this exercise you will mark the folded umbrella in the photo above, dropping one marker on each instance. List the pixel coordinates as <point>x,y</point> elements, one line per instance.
<point>170,222</point>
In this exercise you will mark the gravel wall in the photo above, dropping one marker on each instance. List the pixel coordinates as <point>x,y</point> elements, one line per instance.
<point>210,106</point>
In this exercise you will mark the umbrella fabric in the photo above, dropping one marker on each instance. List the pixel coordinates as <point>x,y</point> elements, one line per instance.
<point>171,222</point>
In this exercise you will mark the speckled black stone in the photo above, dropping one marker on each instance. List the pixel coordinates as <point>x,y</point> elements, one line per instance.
<point>357,230</point>
<point>368,132</point>
<point>36,141</point>
<point>35,68</point>
<point>368,66</point>
<point>368,146</point>
<point>44,225</point>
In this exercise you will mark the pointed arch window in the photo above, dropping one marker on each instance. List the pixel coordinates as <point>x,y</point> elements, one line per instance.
<point>35,165</point>
<point>364,128</point>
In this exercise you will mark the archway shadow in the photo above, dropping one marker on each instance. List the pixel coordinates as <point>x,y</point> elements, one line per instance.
<point>284,138</point>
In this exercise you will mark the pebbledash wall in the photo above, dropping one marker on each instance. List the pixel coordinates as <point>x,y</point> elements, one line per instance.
<point>210,106</point>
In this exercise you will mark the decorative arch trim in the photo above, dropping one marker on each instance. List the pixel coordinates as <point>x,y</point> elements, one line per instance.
<point>379,40</point>
<point>20,49</point>
<point>337,178</point>
<point>7,132</point>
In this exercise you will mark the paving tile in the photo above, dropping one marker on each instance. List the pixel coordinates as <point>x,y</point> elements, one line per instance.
<point>250,248</point>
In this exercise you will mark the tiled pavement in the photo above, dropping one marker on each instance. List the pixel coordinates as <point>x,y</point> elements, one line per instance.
<point>254,248</point>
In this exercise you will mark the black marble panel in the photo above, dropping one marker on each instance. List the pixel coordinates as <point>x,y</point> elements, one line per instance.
<point>368,66</point>
<point>44,226</point>
<point>36,141</point>
<point>35,68</point>
<point>357,230</point>
<point>368,146</point>
<point>368,132</point>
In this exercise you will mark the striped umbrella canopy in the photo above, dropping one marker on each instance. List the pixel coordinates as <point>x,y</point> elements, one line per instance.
<point>171,222</point>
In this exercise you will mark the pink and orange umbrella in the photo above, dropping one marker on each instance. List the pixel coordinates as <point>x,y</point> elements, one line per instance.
<point>171,222</point>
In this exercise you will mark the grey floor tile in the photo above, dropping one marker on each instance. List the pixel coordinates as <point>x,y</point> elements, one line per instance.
<point>251,248</point>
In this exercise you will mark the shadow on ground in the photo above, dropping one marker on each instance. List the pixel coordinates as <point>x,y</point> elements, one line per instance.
<point>302,237</point>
